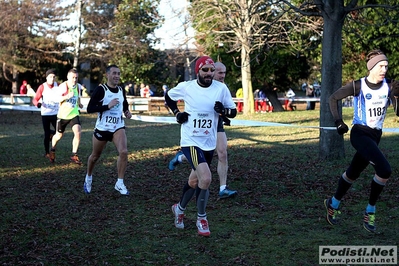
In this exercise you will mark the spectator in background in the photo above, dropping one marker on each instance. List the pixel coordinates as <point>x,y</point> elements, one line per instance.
<point>257,101</point>
<point>144,90</point>
<point>129,89</point>
<point>31,92</point>
<point>240,96</point>
<point>46,99</point>
<point>148,92</point>
<point>317,88</point>
<point>151,93</point>
<point>347,102</point>
<point>310,94</point>
<point>288,102</point>
<point>23,89</point>
<point>132,89</point>
<point>304,86</point>
<point>141,90</point>
<point>261,101</point>
<point>266,106</point>
<point>136,90</point>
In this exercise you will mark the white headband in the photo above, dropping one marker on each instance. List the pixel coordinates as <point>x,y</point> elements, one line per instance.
<point>375,60</point>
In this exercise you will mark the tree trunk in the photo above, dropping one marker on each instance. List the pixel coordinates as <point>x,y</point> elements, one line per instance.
<point>78,33</point>
<point>10,73</point>
<point>15,80</point>
<point>247,82</point>
<point>331,145</point>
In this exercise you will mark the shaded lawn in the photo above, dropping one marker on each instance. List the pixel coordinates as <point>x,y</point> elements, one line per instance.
<point>278,217</point>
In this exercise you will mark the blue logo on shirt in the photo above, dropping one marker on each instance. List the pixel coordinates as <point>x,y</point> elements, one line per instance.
<point>368,96</point>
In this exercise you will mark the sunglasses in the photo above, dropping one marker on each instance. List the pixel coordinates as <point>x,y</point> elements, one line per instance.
<point>206,69</point>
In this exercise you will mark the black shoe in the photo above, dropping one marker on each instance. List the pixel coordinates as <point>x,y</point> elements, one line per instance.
<point>332,213</point>
<point>369,222</point>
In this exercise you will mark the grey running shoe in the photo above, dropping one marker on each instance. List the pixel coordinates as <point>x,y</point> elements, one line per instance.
<point>179,215</point>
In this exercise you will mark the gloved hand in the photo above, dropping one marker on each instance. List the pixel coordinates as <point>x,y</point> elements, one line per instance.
<point>182,118</point>
<point>39,105</point>
<point>226,121</point>
<point>219,108</point>
<point>342,128</point>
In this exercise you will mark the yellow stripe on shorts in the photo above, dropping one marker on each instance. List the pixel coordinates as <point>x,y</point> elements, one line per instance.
<point>194,156</point>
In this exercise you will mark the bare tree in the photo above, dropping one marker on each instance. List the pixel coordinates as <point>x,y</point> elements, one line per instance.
<point>235,22</point>
<point>246,26</point>
<point>177,32</point>
<point>78,33</point>
<point>26,36</point>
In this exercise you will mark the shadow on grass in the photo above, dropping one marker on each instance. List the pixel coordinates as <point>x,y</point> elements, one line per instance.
<point>277,218</point>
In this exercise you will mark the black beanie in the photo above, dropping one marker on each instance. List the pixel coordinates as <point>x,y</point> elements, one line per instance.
<point>50,71</point>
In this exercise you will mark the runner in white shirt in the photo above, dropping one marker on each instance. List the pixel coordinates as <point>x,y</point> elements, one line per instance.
<point>221,145</point>
<point>204,101</point>
<point>46,99</point>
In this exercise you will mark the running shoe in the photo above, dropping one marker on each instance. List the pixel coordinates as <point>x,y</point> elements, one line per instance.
<point>87,187</point>
<point>75,159</point>
<point>174,162</point>
<point>226,193</point>
<point>369,222</point>
<point>179,215</point>
<point>331,212</point>
<point>203,227</point>
<point>52,156</point>
<point>122,189</point>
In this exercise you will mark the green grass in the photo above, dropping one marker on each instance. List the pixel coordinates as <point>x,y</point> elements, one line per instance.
<point>278,217</point>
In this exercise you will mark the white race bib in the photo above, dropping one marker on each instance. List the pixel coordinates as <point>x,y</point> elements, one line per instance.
<point>71,102</point>
<point>201,124</point>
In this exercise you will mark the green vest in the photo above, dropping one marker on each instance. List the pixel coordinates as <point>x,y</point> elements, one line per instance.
<point>69,108</point>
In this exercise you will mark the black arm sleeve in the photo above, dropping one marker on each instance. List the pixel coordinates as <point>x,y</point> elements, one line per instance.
<point>231,113</point>
<point>350,89</point>
<point>95,103</point>
<point>172,104</point>
<point>125,103</point>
